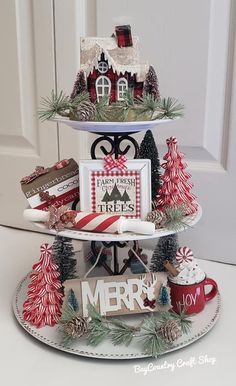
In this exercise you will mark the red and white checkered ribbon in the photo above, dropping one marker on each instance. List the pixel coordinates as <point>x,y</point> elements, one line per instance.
<point>111,163</point>
<point>184,254</point>
<point>45,250</point>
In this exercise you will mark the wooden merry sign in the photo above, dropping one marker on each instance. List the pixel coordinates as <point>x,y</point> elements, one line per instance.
<point>118,295</point>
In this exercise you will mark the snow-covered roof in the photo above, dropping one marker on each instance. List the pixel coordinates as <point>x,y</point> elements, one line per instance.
<point>120,59</point>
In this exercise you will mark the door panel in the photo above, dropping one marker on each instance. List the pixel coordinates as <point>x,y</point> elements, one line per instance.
<point>27,72</point>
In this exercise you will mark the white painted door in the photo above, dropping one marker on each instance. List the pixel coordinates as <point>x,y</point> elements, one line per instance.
<point>27,71</point>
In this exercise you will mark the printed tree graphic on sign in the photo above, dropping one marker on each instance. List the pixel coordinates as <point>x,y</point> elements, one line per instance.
<point>115,194</point>
<point>106,198</point>
<point>125,197</point>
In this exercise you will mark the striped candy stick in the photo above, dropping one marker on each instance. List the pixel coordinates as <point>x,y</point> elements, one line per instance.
<point>96,222</point>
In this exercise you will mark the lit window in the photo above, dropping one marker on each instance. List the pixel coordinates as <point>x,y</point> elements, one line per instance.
<point>103,87</point>
<point>102,67</point>
<point>122,87</point>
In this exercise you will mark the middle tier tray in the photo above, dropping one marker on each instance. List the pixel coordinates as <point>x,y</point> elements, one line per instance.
<point>126,236</point>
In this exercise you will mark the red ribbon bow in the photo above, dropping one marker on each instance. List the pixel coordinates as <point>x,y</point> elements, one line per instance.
<point>149,303</point>
<point>111,163</point>
<point>61,164</point>
<point>39,171</point>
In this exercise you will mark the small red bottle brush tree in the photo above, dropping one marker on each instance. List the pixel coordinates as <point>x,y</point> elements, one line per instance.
<point>175,189</point>
<point>44,298</point>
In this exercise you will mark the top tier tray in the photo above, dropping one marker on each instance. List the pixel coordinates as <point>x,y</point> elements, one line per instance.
<point>113,127</point>
<point>127,236</point>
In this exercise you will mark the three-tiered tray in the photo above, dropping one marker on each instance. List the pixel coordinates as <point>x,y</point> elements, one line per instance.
<point>114,138</point>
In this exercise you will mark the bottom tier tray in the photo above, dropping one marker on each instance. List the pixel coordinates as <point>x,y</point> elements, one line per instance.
<point>202,324</point>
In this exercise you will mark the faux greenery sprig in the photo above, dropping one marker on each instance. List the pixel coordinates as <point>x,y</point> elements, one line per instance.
<point>176,219</point>
<point>60,104</point>
<point>97,328</point>
<point>129,109</point>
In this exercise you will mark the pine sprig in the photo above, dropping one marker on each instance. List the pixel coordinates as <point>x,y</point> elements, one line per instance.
<point>102,114</point>
<point>148,105</point>
<point>153,344</point>
<point>168,108</point>
<point>129,109</point>
<point>175,218</point>
<point>67,314</point>
<point>184,321</point>
<point>54,104</point>
<point>120,333</point>
<point>98,332</point>
<point>61,104</point>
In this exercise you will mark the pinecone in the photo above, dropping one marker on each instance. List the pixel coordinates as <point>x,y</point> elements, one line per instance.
<point>76,327</point>
<point>170,331</point>
<point>86,111</point>
<point>156,217</point>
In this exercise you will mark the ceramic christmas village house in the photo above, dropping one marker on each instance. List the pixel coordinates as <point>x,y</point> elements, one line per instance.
<point>112,65</point>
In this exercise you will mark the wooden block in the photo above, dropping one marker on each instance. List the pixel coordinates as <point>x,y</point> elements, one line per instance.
<point>118,295</point>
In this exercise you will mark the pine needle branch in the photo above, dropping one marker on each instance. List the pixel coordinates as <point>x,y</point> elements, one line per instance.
<point>102,109</point>
<point>54,104</point>
<point>153,344</point>
<point>175,218</point>
<point>120,333</point>
<point>168,108</point>
<point>184,321</point>
<point>60,104</point>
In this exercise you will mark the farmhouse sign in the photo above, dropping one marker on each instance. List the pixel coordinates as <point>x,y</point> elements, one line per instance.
<point>121,192</point>
<point>118,295</point>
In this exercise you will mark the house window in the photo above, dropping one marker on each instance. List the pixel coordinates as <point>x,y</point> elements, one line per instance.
<point>102,67</point>
<point>103,86</point>
<point>122,87</point>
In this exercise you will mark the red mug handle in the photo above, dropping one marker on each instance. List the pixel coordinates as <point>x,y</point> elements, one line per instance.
<point>213,291</point>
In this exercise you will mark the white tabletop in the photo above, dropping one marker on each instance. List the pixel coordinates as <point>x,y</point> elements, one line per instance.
<point>25,361</point>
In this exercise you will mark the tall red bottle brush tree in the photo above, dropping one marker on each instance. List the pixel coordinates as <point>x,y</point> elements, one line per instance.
<point>175,190</point>
<point>44,298</point>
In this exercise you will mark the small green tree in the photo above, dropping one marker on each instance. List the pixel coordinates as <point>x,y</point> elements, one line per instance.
<point>166,249</point>
<point>63,255</point>
<point>106,198</point>
<point>72,300</point>
<point>163,298</point>
<point>115,194</point>
<point>148,150</point>
<point>125,197</point>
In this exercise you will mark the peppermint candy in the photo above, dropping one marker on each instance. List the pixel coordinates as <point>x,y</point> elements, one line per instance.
<point>45,249</point>
<point>184,254</point>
